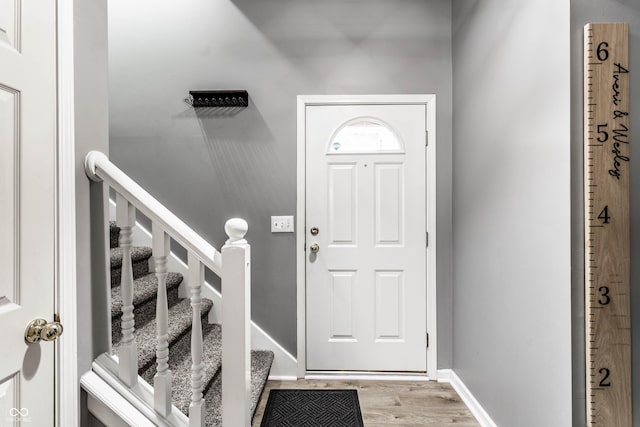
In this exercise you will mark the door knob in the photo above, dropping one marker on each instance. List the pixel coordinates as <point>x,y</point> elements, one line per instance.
<point>314,248</point>
<point>40,329</point>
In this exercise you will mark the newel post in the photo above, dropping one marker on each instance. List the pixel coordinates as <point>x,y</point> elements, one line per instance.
<point>236,326</point>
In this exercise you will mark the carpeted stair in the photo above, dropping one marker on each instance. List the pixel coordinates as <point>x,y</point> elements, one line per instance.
<point>180,316</point>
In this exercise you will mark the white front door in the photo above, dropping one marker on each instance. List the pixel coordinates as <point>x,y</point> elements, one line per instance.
<point>27,194</point>
<point>365,216</point>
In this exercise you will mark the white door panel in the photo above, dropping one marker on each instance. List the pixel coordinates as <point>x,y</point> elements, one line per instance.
<point>341,300</point>
<point>365,192</point>
<point>10,24</point>
<point>342,204</point>
<point>389,204</point>
<point>27,191</point>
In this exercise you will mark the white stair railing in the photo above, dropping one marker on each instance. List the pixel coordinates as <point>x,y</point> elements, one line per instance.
<point>232,266</point>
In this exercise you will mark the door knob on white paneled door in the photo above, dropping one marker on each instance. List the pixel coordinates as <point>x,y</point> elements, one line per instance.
<point>40,329</point>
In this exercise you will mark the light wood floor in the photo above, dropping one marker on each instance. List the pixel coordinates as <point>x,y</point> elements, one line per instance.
<point>391,403</point>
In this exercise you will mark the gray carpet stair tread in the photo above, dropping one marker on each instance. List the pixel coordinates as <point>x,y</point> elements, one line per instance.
<point>260,366</point>
<point>179,322</point>
<point>180,364</point>
<point>114,233</point>
<point>144,289</point>
<point>138,253</point>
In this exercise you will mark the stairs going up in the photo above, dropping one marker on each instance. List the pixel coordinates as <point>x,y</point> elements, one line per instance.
<point>180,318</point>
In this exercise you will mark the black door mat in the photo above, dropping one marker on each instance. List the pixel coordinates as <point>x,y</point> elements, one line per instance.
<point>312,408</point>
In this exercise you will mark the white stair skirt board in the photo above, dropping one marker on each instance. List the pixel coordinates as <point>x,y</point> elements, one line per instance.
<point>140,397</point>
<point>284,365</point>
<point>449,376</point>
<point>108,406</point>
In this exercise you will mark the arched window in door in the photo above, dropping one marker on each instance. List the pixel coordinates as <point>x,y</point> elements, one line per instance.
<point>365,135</point>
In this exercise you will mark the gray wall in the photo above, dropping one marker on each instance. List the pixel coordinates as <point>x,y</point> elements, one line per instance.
<point>583,12</point>
<point>91,133</point>
<point>511,204</point>
<point>208,168</point>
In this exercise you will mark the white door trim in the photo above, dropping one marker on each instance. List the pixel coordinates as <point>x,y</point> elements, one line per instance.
<point>430,186</point>
<point>67,393</point>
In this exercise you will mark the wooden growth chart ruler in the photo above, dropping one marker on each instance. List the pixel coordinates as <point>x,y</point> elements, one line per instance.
<point>607,256</point>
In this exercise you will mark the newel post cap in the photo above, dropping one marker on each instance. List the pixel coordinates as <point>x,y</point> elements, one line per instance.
<point>236,228</point>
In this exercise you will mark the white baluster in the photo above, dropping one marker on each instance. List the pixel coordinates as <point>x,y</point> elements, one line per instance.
<point>197,410</point>
<point>162,379</point>
<point>128,352</point>
<point>236,326</point>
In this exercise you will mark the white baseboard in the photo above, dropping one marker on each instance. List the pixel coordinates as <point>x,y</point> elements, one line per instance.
<point>444,375</point>
<point>364,376</point>
<point>449,376</point>
<point>284,364</point>
<point>283,378</point>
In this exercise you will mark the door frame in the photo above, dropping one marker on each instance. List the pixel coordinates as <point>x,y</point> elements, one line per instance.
<point>67,386</point>
<point>429,101</point>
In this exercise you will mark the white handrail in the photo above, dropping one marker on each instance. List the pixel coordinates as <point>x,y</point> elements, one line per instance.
<point>99,168</point>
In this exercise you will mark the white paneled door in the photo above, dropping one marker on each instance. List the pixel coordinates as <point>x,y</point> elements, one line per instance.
<point>27,215</point>
<point>366,238</point>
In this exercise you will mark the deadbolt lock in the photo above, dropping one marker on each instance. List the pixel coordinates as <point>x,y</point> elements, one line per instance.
<point>314,231</point>
<point>40,329</point>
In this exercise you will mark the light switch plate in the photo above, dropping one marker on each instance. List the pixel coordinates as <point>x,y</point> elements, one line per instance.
<point>282,224</point>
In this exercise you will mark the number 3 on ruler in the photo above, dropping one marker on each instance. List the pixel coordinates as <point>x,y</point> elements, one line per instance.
<point>604,295</point>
